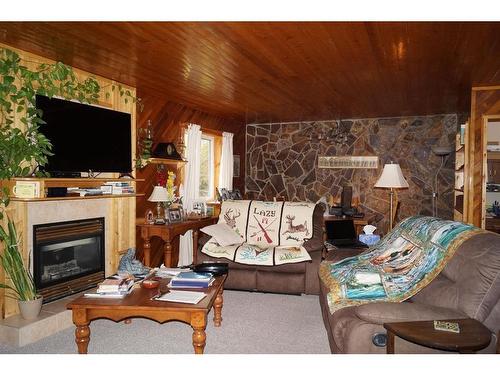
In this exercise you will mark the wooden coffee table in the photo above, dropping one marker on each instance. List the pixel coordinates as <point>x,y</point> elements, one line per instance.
<point>473,335</point>
<point>139,304</point>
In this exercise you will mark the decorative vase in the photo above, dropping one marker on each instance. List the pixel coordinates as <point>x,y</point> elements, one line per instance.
<point>30,309</point>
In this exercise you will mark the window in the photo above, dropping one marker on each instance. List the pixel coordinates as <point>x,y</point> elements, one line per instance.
<point>207,167</point>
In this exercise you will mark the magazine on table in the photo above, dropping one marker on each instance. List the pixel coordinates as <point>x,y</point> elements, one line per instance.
<point>181,296</point>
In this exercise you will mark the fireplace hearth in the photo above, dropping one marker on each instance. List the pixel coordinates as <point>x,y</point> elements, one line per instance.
<point>68,257</point>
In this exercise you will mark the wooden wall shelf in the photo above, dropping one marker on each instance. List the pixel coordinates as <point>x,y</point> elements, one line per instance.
<point>166,161</point>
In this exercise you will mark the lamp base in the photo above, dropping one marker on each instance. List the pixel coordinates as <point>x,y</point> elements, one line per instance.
<point>160,221</point>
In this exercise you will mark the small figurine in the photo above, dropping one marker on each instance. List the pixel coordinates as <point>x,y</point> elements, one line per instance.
<point>129,264</point>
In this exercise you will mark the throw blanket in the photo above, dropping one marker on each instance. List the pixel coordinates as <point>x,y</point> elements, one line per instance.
<point>398,266</point>
<point>273,232</point>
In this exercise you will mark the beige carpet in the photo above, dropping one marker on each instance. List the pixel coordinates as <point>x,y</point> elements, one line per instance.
<point>252,323</point>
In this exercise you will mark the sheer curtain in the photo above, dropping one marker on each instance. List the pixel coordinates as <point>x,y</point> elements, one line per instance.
<point>191,188</point>
<point>226,162</point>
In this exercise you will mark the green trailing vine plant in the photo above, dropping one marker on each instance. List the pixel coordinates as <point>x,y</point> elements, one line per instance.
<point>22,145</point>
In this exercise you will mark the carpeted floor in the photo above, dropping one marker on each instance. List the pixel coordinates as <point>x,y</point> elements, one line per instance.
<point>252,323</point>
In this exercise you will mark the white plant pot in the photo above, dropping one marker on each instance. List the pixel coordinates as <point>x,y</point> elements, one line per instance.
<point>30,309</point>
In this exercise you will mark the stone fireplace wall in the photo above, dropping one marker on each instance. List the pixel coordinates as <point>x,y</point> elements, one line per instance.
<point>282,159</point>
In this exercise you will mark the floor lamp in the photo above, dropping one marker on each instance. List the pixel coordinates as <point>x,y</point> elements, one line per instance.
<point>443,152</point>
<point>392,178</point>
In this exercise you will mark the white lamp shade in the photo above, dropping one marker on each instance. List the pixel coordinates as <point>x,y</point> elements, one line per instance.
<point>392,177</point>
<point>159,194</point>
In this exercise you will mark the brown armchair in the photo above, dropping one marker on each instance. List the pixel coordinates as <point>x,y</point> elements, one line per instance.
<point>468,287</point>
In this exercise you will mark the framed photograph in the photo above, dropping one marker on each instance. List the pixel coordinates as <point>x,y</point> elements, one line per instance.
<point>174,215</point>
<point>200,207</point>
<point>236,193</point>
<point>236,165</point>
<point>149,217</point>
<point>224,194</point>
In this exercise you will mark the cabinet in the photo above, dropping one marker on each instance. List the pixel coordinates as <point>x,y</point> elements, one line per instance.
<point>493,170</point>
<point>460,189</point>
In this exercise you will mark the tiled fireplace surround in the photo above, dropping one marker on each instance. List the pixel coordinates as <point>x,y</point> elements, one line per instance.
<point>54,317</point>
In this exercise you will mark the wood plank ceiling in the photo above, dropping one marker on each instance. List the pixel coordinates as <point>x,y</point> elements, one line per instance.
<point>288,71</point>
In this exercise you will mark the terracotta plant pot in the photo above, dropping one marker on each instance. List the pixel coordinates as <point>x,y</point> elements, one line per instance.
<point>30,309</point>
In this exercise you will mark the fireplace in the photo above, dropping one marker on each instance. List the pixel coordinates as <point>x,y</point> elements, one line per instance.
<point>68,257</point>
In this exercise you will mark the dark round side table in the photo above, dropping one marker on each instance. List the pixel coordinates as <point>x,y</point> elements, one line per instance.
<point>473,335</point>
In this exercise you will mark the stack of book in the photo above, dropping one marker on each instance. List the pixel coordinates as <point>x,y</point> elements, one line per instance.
<point>191,280</point>
<point>117,287</point>
<point>117,188</point>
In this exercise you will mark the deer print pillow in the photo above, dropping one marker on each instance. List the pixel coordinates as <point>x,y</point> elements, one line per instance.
<point>234,214</point>
<point>296,223</point>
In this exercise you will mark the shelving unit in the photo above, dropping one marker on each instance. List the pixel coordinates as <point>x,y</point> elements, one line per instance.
<point>460,178</point>
<point>67,182</point>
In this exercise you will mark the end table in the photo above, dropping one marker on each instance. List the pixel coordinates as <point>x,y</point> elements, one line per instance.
<point>473,335</point>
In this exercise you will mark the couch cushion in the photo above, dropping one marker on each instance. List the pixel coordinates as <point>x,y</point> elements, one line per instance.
<point>283,268</point>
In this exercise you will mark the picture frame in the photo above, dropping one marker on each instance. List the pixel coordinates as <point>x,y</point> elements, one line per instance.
<point>200,207</point>
<point>236,166</point>
<point>174,215</point>
<point>236,194</point>
<point>149,217</point>
<point>224,194</point>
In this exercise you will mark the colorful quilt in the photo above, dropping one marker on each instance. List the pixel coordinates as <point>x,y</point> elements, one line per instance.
<point>274,232</point>
<point>398,266</point>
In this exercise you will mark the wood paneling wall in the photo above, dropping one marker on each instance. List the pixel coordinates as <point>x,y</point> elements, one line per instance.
<point>168,119</point>
<point>485,103</point>
<point>122,225</point>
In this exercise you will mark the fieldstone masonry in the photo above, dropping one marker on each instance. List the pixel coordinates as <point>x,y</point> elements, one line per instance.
<point>282,160</point>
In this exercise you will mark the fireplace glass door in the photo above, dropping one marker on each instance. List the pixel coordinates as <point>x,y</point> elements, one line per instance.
<point>65,254</point>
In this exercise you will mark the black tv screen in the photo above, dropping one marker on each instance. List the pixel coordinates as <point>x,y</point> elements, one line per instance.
<point>85,137</point>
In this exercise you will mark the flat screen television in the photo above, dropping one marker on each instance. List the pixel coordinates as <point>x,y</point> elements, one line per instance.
<point>85,137</point>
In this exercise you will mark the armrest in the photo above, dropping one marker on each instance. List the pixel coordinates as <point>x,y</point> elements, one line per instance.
<point>385,312</point>
<point>203,238</point>
<point>314,244</point>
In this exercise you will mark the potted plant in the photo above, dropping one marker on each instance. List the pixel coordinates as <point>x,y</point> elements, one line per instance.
<point>23,286</point>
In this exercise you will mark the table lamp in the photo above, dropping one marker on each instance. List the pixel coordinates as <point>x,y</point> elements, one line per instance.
<point>392,178</point>
<point>159,195</point>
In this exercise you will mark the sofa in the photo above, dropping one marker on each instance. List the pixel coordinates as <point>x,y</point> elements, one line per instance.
<point>293,278</point>
<point>468,286</point>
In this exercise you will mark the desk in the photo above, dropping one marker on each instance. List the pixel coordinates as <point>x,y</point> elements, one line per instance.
<point>359,223</point>
<point>167,232</point>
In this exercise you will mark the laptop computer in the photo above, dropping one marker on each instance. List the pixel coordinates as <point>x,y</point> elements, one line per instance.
<point>341,233</point>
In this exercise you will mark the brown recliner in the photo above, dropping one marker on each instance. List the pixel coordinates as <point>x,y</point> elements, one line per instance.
<point>468,286</point>
<point>294,278</point>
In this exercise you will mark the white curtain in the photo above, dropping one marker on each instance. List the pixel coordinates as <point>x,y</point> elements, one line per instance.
<point>226,162</point>
<point>191,188</point>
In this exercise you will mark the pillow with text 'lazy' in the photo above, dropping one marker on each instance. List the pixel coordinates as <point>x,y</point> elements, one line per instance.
<point>223,234</point>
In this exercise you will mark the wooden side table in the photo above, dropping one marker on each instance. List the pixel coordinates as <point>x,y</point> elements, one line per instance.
<point>167,232</point>
<point>473,335</point>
